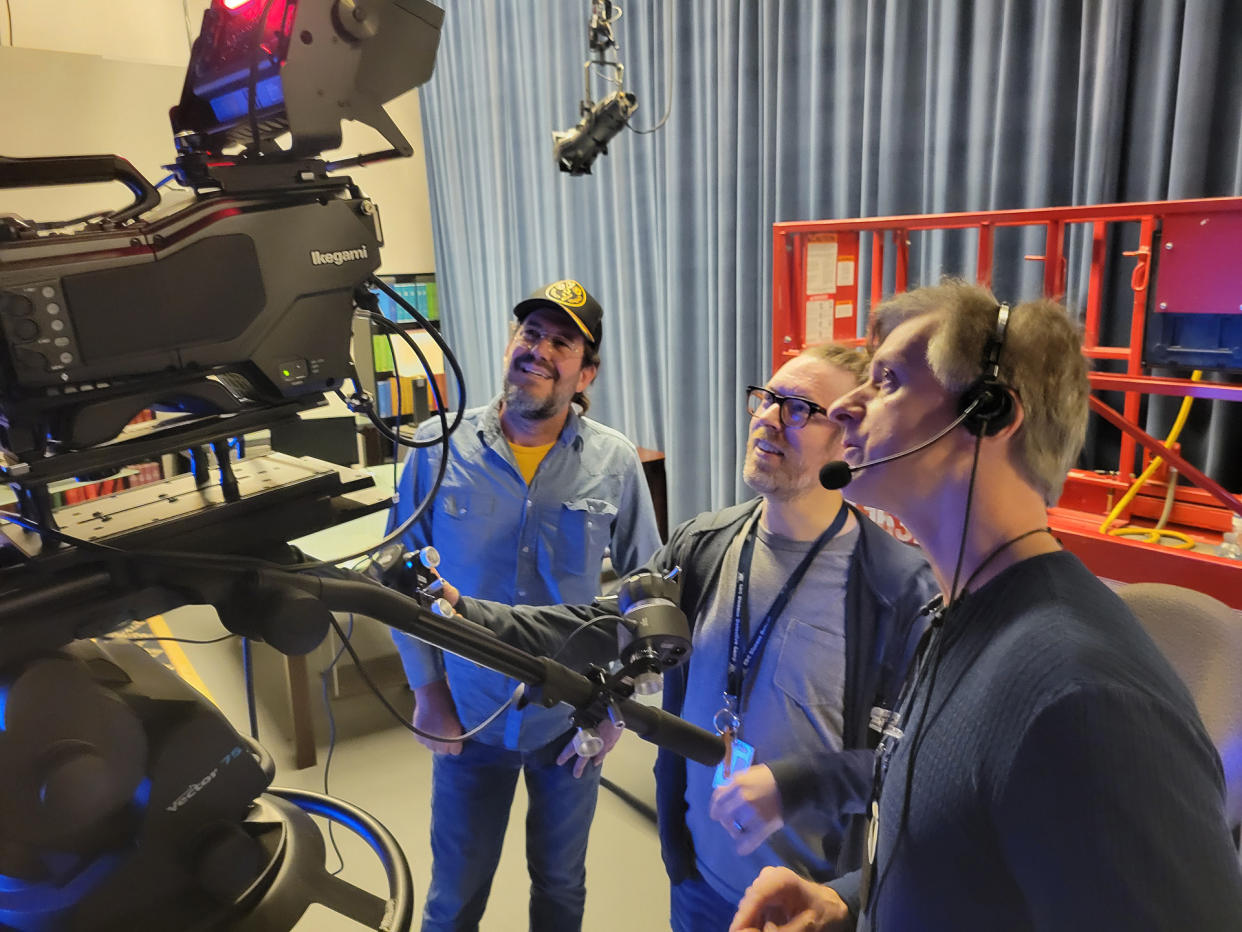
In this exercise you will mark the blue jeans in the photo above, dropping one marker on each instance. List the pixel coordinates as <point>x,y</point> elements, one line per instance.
<point>696,907</point>
<point>470,799</point>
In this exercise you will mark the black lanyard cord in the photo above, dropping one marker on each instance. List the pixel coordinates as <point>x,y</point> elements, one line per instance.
<point>741,663</point>
<point>935,650</point>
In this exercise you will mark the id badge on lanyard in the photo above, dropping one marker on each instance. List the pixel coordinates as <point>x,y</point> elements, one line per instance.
<point>887,723</point>
<point>738,754</point>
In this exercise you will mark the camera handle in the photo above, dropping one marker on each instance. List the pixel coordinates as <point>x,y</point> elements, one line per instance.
<point>44,171</point>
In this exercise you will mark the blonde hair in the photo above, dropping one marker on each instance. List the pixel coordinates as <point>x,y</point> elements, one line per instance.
<point>1041,362</point>
<point>853,359</point>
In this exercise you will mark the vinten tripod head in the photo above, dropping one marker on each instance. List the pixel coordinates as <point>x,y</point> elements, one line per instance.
<point>128,801</point>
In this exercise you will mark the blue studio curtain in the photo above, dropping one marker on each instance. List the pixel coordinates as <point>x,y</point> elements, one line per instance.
<point>795,110</point>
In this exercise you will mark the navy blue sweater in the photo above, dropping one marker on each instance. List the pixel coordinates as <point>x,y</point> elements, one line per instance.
<point>1061,779</point>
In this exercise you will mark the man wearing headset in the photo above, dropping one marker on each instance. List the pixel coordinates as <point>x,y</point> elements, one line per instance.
<point>1046,769</point>
<point>820,609</point>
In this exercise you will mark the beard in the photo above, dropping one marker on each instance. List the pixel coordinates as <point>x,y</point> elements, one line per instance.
<point>533,401</point>
<point>779,481</point>
<point>519,400</point>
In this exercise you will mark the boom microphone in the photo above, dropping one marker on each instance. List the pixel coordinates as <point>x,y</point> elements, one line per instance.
<point>836,474</point>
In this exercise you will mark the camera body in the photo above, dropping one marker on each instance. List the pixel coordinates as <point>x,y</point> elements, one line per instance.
<point>232,301</point>
<point>244,298</point>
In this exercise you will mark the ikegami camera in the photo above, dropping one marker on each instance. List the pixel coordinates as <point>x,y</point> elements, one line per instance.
<point>128,801</point>
<point>243,300</point>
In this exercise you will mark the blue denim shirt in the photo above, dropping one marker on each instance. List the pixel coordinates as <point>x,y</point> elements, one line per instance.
<point>540,544</point>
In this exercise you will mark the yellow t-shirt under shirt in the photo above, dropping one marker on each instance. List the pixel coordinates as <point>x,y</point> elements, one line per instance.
<point>529,458</point>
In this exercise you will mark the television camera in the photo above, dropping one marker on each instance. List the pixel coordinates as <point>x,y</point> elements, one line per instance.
<point>126,800</point>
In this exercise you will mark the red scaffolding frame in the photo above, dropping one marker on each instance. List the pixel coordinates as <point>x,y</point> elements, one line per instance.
<point>801,249</point>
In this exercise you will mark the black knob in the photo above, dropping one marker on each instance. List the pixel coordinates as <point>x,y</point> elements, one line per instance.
<point>26,329</point>
<point>15,305</point>
<point>29,359</point>
<point>76,777</point>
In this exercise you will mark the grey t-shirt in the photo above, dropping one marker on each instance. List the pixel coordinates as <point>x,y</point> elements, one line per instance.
<point>792,698</point>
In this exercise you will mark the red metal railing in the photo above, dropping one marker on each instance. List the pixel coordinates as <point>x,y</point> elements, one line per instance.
<point>1203,511</point>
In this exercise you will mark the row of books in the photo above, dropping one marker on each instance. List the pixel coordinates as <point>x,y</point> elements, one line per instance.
<point>135,475</point>
<point>420,294</point>
<point>415,403</point>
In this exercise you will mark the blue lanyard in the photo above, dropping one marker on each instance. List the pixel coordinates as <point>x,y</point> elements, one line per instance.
<point>739,664</point>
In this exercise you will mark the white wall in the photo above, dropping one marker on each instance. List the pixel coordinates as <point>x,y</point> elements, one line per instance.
<point>99,76</point>
<point>152,31</point>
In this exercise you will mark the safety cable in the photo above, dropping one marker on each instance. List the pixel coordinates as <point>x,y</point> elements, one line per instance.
<point>668,74</point>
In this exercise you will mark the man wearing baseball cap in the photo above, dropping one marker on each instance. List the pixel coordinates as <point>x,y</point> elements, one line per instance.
<point>533,496</point>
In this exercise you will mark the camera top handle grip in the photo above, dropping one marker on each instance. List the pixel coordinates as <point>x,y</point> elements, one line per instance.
<point>81,169</point>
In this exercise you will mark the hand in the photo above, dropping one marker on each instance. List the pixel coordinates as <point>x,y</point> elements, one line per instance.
<point>781,901</point>
<point>749,807</point>
<point>435,713</point>
<point>608,731</point>
<point>447,590</point>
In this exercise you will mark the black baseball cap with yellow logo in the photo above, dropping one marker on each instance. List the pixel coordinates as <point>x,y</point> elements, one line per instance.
<point>572,299</point>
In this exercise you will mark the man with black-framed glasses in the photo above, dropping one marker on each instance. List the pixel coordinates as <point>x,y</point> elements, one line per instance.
<point>533,495</point>
<point>794,411</point>
<point>805,615</point>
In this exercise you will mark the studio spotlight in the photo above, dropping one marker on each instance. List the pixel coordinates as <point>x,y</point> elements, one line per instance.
<point>577,148</point>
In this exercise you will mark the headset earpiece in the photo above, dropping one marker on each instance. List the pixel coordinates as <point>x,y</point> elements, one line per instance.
<point>989,400</point>
<point>993,408</point>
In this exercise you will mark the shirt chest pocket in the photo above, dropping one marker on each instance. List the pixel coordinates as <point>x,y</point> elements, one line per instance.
<point>811,667</point>
<point>464,504</point>
<point>582,533</point>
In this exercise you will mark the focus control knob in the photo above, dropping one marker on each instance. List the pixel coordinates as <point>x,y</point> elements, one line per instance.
<point>355,19</point>
<point>16,305</point>
<point>587,742</point>
<point>648,684</point>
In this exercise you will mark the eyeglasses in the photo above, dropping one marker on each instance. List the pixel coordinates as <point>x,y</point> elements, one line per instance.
<point>794,411</point>
<point>531,336</point>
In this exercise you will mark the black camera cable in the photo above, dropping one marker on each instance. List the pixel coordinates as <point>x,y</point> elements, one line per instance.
<point>518,692</point>
<point>394,434</point>
<point>936,645</point>
<point>396,439</point>
<point>327,763</point>
<point>371,305</point>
